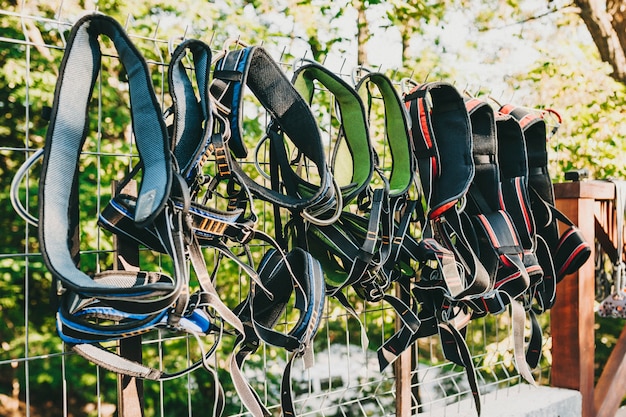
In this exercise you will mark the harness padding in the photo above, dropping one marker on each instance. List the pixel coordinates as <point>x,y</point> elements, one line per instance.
<point>67,134</point>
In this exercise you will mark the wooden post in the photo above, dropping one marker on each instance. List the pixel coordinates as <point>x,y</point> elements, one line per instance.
<point>403,367</point>
<point>572,317</point>
<point>130,399</point>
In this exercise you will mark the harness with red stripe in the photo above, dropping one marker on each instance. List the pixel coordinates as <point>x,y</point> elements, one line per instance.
<point>568,250</point>
<point>441,132</point>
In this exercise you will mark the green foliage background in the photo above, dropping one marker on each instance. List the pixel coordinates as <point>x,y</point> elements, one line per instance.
<point>577,84</point>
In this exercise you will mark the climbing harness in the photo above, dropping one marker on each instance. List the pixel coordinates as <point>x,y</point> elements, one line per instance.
<point>569,250</point>
<point>497,239</point>
<point>396,215</point>
<point>441,131</point>
<point>500,247</point>
<point>298,272</point>
<point>291,117</point>
<point>112,304</point>
<point>474,180</point>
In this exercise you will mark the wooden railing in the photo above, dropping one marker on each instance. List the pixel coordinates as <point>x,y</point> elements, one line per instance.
<point>589,204</point>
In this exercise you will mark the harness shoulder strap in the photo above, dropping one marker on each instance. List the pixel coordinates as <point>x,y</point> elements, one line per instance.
<point>66,136</point>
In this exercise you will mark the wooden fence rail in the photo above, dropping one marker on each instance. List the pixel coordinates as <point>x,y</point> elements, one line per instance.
<point>589,205</point>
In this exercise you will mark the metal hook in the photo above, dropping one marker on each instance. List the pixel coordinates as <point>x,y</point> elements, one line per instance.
<point>302,61</point>
<point>492,98</point>
<point>170,43</point>
<point>356,73</point>
<point>211,39</point>
<point>237,41</point>
<point>407,84</point>
<point>156,30</point>
<point>338,209</point>
<point>129,17</point>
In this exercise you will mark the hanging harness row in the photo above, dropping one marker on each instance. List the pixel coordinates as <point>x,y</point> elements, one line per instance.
<point>485,207</point>
<point>116,304</point>
<point>478,220</point>
<point>360,249</point>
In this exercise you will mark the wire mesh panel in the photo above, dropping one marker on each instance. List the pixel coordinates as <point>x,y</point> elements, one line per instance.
<point>39,376</point>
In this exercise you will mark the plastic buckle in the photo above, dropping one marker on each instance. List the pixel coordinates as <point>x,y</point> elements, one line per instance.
<point>245,235</point>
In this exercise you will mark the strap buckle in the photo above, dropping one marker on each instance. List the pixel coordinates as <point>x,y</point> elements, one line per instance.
<point>245,234</point>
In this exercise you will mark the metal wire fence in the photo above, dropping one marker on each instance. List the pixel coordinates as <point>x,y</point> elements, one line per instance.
<point>39,377</point>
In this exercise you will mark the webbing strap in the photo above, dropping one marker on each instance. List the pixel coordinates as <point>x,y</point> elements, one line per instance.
<point>403,338</point>
<point>456,350</point>
<point>97,354</point>
<point>500,238</point>
<point>66,134</point>
<point>356,241</point>
<point>476,280</point>
<point>361,242</point>
<point>439,269</point>
<point>545,290</point>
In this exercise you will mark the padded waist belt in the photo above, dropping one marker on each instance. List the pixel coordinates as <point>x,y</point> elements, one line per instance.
<point>442,136</point>
<point>354,129</point>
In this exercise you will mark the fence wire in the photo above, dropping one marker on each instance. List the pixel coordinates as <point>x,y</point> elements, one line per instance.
<point>39,377</point>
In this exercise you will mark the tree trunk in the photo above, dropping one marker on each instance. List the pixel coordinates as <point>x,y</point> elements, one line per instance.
<point>606,22</point>
<point>363,33</point>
